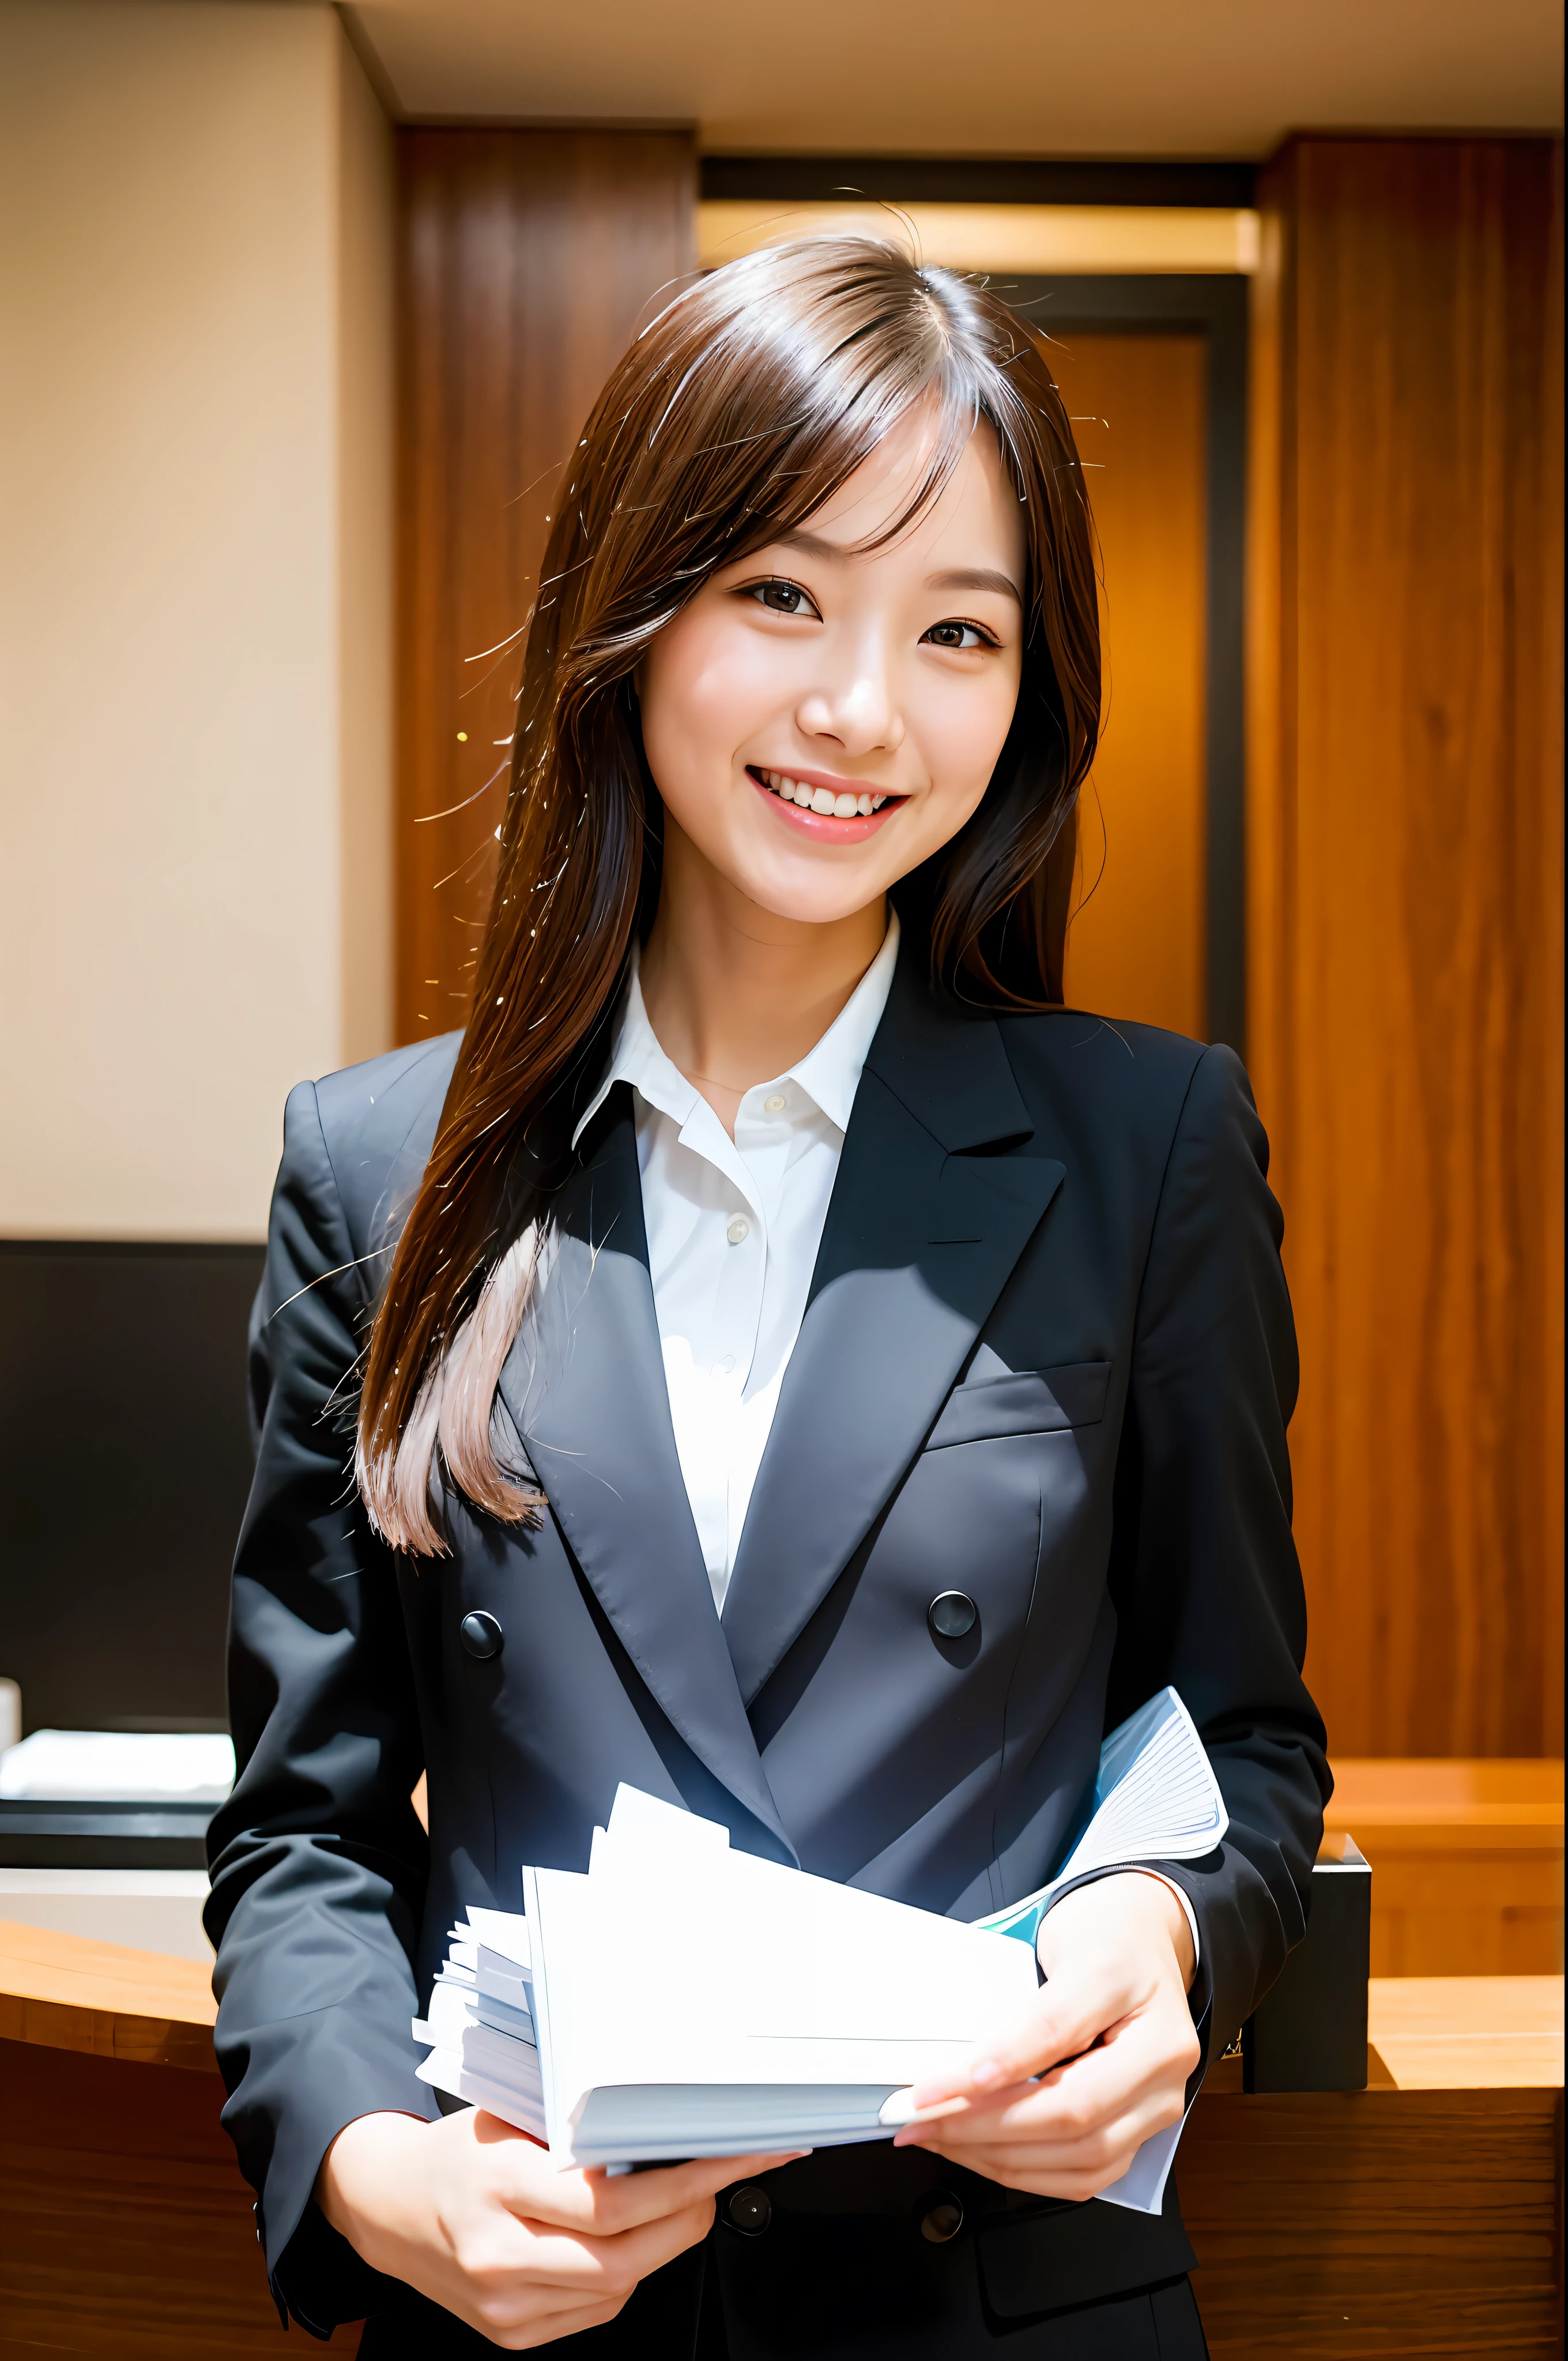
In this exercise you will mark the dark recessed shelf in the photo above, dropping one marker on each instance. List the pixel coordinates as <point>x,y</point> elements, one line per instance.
<point>40,1832</point>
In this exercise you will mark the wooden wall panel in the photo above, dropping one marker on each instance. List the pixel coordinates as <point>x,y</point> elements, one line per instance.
<point>1137,944</point>
<point>1405,917</point>
<point>528,260</point>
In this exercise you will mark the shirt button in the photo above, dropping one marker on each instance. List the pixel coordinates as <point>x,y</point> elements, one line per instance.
<point>739,1229</point>
<point>726,1368</point>
<point>775,1106</point>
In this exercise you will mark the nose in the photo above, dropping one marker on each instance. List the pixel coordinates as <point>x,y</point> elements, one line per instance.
<point>855,704</point>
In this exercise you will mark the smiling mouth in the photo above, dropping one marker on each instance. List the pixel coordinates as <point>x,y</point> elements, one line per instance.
<point>820,801</point>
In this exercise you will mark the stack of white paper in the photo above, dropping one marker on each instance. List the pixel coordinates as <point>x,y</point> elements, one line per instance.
<point>681,1999</point>
<point>685,2000</point>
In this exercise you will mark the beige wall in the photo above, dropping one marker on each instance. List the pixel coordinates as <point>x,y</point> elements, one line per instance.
<point>195,601</point>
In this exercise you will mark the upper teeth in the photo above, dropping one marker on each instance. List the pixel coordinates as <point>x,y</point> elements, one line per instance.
<point>820,799</point>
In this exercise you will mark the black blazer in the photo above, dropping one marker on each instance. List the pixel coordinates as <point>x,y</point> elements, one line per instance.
<point>1047,1360</point>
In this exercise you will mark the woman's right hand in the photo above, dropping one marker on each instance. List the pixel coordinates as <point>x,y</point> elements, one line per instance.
<point>475,2215</point>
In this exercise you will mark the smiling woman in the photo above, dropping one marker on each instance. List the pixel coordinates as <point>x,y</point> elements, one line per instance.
<point>769,1163</point>
<point>910,418</point>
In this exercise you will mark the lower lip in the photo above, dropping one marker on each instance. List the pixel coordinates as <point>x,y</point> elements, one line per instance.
<point>821,826</point>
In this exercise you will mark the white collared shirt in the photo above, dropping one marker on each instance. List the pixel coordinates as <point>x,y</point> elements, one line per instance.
<point>733,1229</point>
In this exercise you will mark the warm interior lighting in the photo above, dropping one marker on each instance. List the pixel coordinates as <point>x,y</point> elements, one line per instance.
<point>1028,240</point>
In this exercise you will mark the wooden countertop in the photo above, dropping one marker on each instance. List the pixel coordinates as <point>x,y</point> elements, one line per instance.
<point>65,1992</point>
<point>1465,2033</point>
<point>1426,2033</point>
<point>1482,1805</point>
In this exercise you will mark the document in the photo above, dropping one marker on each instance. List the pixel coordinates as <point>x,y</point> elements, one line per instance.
<point>681,1999</point>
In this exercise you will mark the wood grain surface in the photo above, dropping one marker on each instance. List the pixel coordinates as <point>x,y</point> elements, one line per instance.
<point>1376,2223</point>
<point>1467,2033</point>
<point>1466,1863</point>
<point>66,1991</point>
<point>1405,810</point>
<point>1136,945</point>
<point>1457,1800</point>
<point>528,260</point>
<point>125,2231</point>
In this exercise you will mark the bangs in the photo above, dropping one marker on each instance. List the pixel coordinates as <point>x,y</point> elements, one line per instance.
<point>783,372</point>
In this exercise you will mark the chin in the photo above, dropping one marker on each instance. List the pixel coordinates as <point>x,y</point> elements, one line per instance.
<point>813,901</point>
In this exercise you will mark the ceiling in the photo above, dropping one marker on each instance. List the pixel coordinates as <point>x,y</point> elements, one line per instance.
<point>1103,78</point>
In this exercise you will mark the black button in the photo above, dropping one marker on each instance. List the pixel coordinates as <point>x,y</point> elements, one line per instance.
<point>942,2218</point>
<point>481,1635</point>
<point>952,1614</point>
<point>750,2210</point>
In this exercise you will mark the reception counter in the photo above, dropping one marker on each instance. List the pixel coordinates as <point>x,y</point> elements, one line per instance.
<point>1467,1862</point>
<point>1419,2215</point>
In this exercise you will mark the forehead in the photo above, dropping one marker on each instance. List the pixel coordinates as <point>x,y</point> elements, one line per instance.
<point>977,505</point>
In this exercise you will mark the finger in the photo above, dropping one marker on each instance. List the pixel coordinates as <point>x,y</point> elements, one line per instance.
<point>589,2267</point>
<point>598,2205</point>
<point>1026,2133</point>
<point>523,2331</point>
<point>622,2201</point>
<point>1075,2185</point>
<point>519,2272</point>
<point>1072,2013</point>
<point>519,2327</point>
<point>1096,2161</point>
<point>1137,2073</point>
<point>1086,2150</point>
<point>1143,2063</point>
<point>549,2331</point>
<point>1156,2046</point>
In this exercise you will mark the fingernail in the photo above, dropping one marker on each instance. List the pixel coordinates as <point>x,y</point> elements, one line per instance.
<point>984,2071</point>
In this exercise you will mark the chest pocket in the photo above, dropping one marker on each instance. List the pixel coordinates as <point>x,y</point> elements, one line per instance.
<point>1025,1401</point>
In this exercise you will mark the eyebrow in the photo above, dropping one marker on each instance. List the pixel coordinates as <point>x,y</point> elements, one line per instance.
<point>960,578</point>
<point>976,577</point>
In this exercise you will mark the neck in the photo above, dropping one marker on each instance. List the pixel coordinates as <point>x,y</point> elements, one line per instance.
<point>735,994</point>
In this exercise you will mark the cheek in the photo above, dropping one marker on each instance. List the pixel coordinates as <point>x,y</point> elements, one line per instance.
<point>962,729</point>
<point>705,690</point>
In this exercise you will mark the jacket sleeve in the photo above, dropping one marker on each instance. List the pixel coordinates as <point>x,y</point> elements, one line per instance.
<point>318,1862</point>
<point>1204,1574</point>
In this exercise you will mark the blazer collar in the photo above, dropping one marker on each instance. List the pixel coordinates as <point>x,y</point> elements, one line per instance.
<point>585,1385</point>
<point>937,1196</point>
<point>947,1067</point>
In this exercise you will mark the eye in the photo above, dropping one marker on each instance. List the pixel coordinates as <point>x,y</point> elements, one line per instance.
<point>780,598</point>
<point>954,634</point>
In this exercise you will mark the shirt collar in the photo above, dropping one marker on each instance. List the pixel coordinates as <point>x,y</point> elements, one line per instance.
<point>830,1073</point>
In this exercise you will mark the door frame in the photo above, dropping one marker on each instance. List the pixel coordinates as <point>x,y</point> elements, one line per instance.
<point>1216,308</point>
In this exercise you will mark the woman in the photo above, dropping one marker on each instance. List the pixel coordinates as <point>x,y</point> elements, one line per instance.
<point>794,1364</point>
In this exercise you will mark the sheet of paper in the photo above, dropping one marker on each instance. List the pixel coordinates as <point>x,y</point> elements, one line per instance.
<point>1157,1800</point>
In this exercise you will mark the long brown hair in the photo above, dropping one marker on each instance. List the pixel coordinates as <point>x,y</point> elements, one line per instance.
<point>735,415</point>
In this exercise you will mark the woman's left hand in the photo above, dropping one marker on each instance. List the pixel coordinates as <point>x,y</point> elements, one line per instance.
<point>1109,2039</point>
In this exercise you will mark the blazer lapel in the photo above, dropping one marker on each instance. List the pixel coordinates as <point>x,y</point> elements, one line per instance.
<point>585,1385</point>
<point>920,1238</point>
